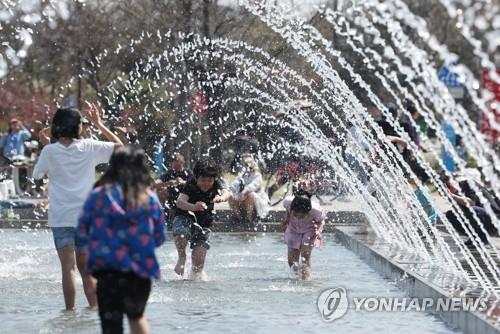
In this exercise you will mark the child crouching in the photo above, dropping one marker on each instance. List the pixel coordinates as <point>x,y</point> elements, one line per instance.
<point>304,225</point>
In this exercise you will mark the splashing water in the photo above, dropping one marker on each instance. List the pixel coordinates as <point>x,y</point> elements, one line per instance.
<point>371,36</point>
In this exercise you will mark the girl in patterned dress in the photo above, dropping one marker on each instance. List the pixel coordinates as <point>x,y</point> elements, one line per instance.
<point>122,223</point>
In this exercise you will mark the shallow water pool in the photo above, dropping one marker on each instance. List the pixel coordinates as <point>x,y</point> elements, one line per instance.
<point>248,289</point>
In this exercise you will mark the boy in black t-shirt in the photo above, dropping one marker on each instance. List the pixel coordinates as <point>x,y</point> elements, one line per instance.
<point>195,213</point>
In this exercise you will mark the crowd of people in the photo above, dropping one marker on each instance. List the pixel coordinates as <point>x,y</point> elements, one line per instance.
<point>471,219</point>
<point>109,229</point>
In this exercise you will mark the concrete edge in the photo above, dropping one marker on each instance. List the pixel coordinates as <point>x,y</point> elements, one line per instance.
<point>223,222</point>
<point>467,321</point>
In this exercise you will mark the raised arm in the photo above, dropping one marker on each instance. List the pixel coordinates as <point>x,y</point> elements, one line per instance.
<point>94,116</point>
<point>44,136</point>
<point>25,133</point>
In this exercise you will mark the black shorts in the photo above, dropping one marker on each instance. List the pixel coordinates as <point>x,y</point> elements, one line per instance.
<point>120,293</point>
<point>184,226</point>
<point>200,236</point>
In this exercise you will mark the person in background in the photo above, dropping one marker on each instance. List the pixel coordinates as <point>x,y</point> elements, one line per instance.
<point>388,127</point>
<point>407,123</point>
<point>469,204</point>
<point>243,144</point>
<point>12,142</point>
<point>172,183</point>
<point>424,195</point>
<point>248,192</point>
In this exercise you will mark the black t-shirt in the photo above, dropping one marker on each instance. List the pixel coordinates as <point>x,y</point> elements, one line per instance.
<point>173,192</point>
<point>203,218</point>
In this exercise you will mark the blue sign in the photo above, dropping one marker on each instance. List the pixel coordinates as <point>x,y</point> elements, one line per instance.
<point>449,78</point>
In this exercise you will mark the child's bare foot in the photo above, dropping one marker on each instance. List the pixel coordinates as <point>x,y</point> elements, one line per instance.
<point>295,268</point>
<point>179,267</point>
<point>198,276</point>
<point>306,273</point>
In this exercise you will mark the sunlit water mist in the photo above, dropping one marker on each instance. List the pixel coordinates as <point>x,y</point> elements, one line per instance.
<point>248,288</point>
<point>306,44</point>
<point>259,79</point>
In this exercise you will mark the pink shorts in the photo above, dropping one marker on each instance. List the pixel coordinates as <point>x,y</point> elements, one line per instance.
<point>296,240</point>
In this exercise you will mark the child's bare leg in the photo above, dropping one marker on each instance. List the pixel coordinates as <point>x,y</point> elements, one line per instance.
<point>198,256</point>
<point>68,269</point>
<point>293,258</point>
<point>89,283</point>
<point>250,207</point>
<point>235,208</point>
<point>139,325</point>
<point>180,244</point>
<point>249,204</point>
<point>305,254</point>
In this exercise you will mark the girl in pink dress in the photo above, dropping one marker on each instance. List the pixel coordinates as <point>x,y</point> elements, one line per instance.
<point>304,224</point>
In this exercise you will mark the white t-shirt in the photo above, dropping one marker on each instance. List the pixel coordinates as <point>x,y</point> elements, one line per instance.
<point>71,172</point>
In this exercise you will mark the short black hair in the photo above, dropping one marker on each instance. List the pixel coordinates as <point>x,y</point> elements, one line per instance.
<point>410,106</point>
<point>445,178</point>
<point>66,123</point>
<point>206,167</point>
<point>301,203</point>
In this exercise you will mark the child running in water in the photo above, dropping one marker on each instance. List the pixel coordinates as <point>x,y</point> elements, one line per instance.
<point>304,225</point>
<point>70,165</point>
<point>122,223</point>
<point>195,214</point>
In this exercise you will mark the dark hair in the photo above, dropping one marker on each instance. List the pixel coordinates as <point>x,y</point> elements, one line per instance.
<point>13,120</point>
<point>128,168</point>
<point>205,167</point>
<point>410,106</point>
<point>301,203</point>
<point>445,178</point>
<point>393,109</point>
<point>66,123</point>
<point>179,157</point>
